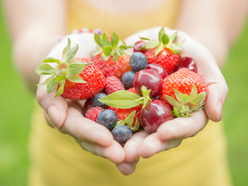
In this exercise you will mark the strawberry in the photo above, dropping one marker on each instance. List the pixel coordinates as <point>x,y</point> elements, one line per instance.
<point>93,112</point>
<point>185,91</point>
<point>113,84</point>
<point>165,52</point>
<point>73,78</point>
<point>110,58</point>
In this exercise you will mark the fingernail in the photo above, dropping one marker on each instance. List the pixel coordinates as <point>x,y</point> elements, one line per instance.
<point>53,114</point>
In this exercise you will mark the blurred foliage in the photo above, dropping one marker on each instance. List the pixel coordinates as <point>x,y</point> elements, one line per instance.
<point>16,106</point>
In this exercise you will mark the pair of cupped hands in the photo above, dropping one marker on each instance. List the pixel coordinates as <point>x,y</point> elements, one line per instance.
<point>66,115</point>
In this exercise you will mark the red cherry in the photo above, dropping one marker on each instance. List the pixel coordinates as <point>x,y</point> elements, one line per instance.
<point>150,79</point>
<point>138,45</point>
<point>154,114</point>
<point>187,62</point>
<point>158,68</point>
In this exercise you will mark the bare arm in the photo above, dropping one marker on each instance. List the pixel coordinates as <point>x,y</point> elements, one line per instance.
<point>35,27</point>
<point>216,24</point>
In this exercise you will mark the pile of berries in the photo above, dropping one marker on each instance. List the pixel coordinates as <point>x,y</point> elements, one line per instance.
<point>127,93</point>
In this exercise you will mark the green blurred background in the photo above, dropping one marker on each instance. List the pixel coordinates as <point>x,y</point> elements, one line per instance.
<point>16,105</point>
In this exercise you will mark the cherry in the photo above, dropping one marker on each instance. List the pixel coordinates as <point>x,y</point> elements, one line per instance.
<point>138,45</point>
<point>150,79</point>
<point>158,68</point>
<point>154,114</point>
<point>187,62</point>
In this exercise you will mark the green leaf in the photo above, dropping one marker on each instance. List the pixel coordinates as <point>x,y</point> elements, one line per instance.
<point>119,51</point>
<point>173,37</point>
<point>75,79</point>
<point>66,50</point>
<point>60,78</point>
<point>105,40</point>
<point>114,39</point>
<point>50,60</point>
<point>136,126</point>
<point>144,38</point>
<point>45,69</point>
<point>46,81</point>
<point>175,111</point>
<point>173,101</point>
<point>71,54</point>
<point>151,44</point>
<point>76,68</point>
<point>107,50</point>
<point>98,51</point>
<point>104,57</point>
<point>182,98</point>
<point>193,93</point>
<point>97,39</point>
<point>121,99</point>
<point>146,96</point>
<point>163,37</point>
<point>52,85</point>
<point>129,119</point>
<point>61,88</point>
<point>115,58</point>
<point>159,49</point>
<point>200,98</point>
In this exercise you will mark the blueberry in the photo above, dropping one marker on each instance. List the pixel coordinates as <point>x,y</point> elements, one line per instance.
<point>96,103</point>
<point>127,79</point>
<point>122,134</point>
<point>138,61</point>
<point>107,118</point>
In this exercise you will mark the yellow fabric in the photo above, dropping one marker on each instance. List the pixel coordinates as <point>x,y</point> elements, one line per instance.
<point>57,160</point>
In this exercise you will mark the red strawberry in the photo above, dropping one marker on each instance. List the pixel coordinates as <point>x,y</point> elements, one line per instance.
<point>164,52</point>
<point>110,58</point>
<point>92,113</point>
<point>185,91</point>
<point>74,78</point>
<point>113,84</point>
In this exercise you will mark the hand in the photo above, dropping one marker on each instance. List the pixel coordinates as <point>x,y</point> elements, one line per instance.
<point>66,115</point>
<point>170,134</point>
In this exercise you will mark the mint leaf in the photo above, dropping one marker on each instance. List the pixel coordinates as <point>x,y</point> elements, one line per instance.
<point>129,119</point>
<point>121,99</point>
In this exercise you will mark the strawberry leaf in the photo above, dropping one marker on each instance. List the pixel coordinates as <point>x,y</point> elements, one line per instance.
<point>199,98</point>
<point>59,78</point>
<point>66,50</point>
<point>45,69</point>
<point>173,37</point>
<point>52,85</point>
<point>107,50</point>
<point>121,99</point>
<point>50,60</point>
<point>114,40</point>
<point>152,44</point>
<point>129,119</point>
<point>61,88</point>
<point>98,51</point>
<point>105,40</point>
<point>75,79</point>
<point>159,49</point>
<point>173,101</point>
<point>163,37</point>
<point>193,93</point>
<point>97,39</point>
<point>71,54</point>
<point>182,98</point>
<point>144,38</point>
<point>46,81</point>
<point>76,68</point>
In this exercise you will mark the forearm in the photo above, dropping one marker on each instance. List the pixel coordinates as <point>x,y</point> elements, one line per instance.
<point>216,24</point>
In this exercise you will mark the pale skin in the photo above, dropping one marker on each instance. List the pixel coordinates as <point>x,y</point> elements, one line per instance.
<point>210,32</point>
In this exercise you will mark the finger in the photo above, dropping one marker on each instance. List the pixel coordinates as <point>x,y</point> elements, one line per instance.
<point>183,127</point>
<point>152,145</point>
<point>84,129</point>
<point>217,87</point>
<point>55,107</point>
<point>114,152</point>
<point>131,147</point>
<point>127,168</point>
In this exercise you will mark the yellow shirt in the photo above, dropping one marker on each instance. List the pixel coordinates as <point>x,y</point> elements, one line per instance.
<point>57,160</point>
